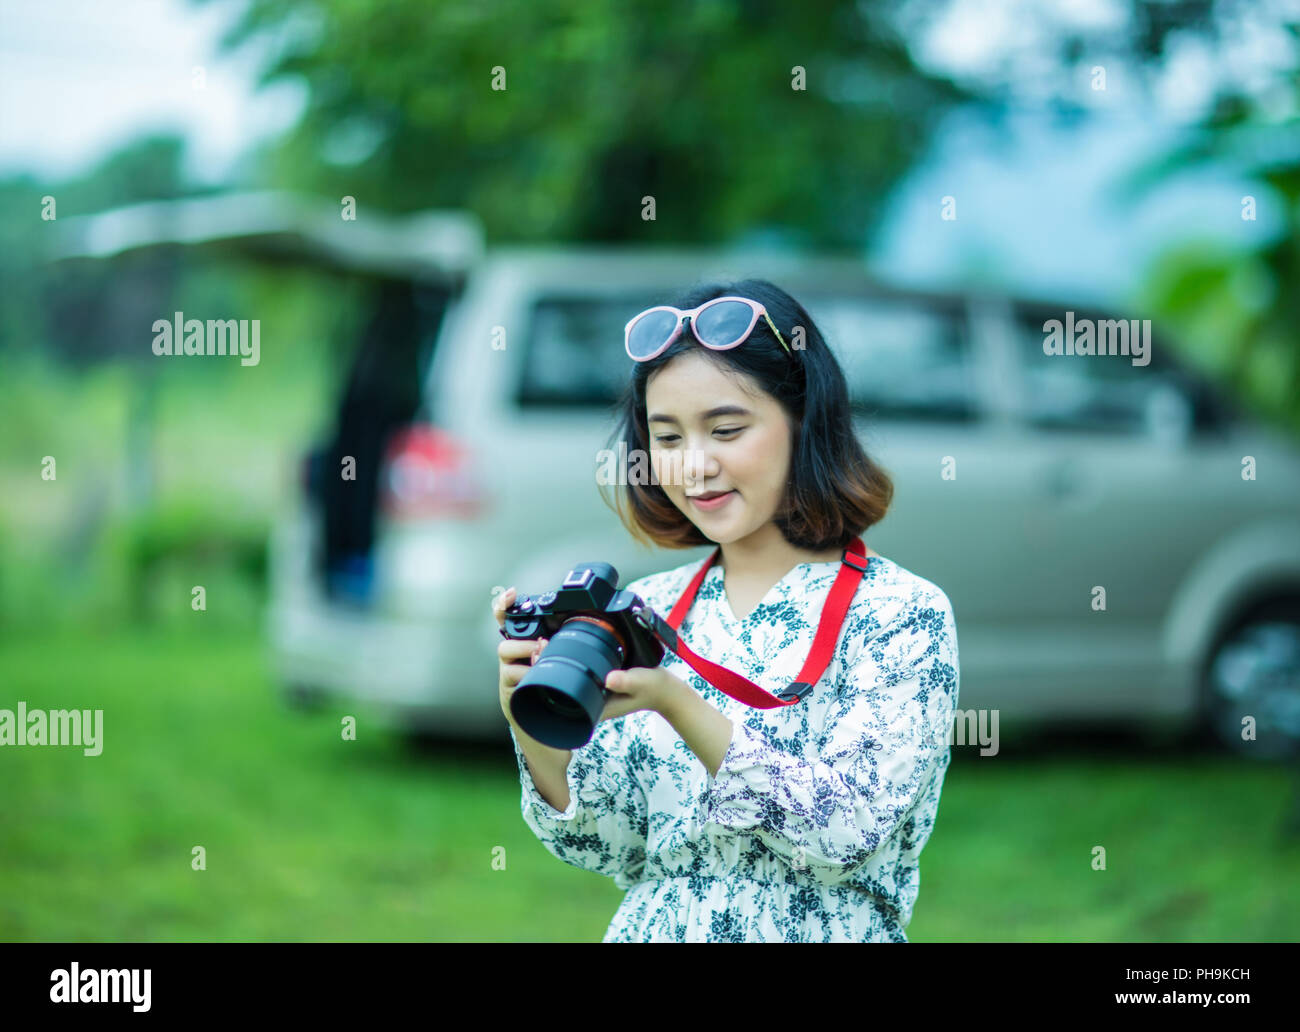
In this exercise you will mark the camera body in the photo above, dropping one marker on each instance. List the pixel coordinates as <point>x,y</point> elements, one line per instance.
<point>593,628</point>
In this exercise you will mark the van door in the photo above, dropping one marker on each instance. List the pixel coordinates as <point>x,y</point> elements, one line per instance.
<point>918,388</point>
<point>1117,504</point>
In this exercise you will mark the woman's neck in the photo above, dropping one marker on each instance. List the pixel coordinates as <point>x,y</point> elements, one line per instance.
<point>767,555</point>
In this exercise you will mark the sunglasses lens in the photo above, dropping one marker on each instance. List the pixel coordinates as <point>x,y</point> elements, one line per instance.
<point>649,333</point>
<point>724,324</point>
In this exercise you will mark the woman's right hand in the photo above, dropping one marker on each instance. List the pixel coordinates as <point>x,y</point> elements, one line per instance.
<point>547,766</point>
<point>515,655</point>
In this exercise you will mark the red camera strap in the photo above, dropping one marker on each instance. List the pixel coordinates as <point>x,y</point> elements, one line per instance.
<point>819,656</point>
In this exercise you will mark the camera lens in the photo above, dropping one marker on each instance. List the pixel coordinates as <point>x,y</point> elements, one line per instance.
<point>562,705</point>
<point>560,700</point>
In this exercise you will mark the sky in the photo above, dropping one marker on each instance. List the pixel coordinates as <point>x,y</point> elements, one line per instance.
<point>1040,203</point>
<point>1037,203</point>
<point>77,77</point>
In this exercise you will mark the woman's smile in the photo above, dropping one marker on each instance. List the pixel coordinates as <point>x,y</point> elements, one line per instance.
<point>711,502</point>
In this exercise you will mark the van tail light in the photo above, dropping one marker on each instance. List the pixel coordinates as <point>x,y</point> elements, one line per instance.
<point>428,473</point>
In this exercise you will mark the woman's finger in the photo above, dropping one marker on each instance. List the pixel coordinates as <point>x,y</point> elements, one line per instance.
<point>501,603</point>
<point>615,706</point>
<point>513,649</point>
<point>621,682</point>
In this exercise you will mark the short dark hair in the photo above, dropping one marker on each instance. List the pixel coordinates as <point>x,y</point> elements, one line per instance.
<point>835,491</point>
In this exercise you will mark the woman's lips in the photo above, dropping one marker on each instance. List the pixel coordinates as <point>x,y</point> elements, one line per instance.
<point>709,504</point>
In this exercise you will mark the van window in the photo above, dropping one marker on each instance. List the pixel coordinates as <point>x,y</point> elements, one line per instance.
<point>574,354</point>
<point>902,359</point>
<point>1101,392</point>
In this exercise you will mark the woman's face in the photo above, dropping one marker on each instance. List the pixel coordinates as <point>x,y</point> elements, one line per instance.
<point>697,450</point>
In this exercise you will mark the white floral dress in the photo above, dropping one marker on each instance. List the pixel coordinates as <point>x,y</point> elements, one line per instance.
<point>813,827</point>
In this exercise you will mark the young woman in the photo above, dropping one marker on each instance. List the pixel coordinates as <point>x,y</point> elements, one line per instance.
<point>723,821</point>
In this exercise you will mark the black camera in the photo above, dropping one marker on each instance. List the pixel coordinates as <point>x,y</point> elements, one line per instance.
<point>593,628</point>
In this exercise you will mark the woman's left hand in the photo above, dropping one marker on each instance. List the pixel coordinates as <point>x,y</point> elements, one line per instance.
<point>644,688</point>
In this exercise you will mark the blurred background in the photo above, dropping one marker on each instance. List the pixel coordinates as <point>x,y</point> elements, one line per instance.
<point>439,216</point>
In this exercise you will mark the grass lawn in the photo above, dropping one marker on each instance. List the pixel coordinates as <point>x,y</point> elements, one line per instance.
<point>309,837</point>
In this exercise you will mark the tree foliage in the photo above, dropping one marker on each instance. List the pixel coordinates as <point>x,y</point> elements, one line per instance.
<point>691,103</point>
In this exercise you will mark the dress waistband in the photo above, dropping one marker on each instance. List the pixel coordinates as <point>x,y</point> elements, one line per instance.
<point>888,908</point>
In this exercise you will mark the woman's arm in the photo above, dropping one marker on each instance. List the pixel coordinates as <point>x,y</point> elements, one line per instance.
<point>604,823</point>
<point>584,806</point>
<point>547,766</point>
<point>703,727</point>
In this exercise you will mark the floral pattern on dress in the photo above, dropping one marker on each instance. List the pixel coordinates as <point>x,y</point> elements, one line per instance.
<point>813,827</point>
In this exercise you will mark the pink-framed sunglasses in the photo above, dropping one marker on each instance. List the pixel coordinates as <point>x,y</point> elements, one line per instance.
<point>720,324</point>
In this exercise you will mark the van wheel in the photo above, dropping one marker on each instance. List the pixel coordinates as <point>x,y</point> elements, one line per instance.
<point>1254,671</point>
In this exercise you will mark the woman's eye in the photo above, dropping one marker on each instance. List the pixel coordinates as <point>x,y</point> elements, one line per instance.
<point>728,430</point>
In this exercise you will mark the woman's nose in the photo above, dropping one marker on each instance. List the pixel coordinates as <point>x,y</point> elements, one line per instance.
<point>698,464</point>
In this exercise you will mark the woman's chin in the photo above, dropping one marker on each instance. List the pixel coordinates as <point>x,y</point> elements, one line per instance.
<point>721,527</point>
<point>721,532</point>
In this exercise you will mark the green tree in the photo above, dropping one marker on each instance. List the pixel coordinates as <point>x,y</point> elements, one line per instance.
<point>1238,308</point>
<point>692,103</point>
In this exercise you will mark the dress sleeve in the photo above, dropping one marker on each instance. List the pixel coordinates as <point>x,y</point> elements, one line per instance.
<point>605,826</point>
<point>885,737</point>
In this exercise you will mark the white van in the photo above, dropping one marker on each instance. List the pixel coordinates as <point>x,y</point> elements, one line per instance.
<point>1024,482</point>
